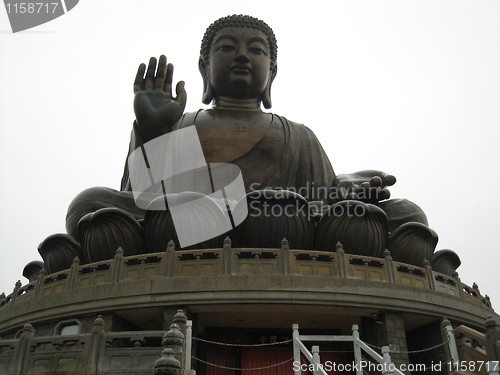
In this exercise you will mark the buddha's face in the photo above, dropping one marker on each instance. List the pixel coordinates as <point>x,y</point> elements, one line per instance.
<point>239,63</point>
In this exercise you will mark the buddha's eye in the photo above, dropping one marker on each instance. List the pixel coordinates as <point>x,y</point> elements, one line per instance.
<point>257,51</point>
<point>226,48</point>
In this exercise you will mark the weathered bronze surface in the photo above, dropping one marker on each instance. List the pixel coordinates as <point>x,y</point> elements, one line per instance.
<point>238,63</point>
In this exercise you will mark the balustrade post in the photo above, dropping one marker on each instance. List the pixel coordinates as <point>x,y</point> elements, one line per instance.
<point>73,272</point>
<point>459,284</point>
<point>388,365</point>
<point>341,260</point>
<point>357,350</point>
<point>181,320</point>
<point>21,349</point>
<point>167,364</point>
<point>285,256</point>
<point>316,360</point>
<point>296,350</point>
<point>93,346</point>
<point>476,289</point>
<point>117,264</point>
<point>488,301</point>
<point>15,292</point>
<point>174,339</point>
<point>390,266</point>
<point>39,282</point>
<point>188,345</point>
<point>430,275</point>
<point>169,259</point>
<point>451,350</point>
<point>492,340</point>
<point>227,256</point>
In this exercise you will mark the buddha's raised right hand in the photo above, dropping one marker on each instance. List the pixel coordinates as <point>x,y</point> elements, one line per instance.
<point>156,110</point>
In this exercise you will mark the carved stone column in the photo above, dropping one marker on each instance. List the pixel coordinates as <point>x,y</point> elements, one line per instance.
<point>493,339</point>
<point>93,346</point>
<point>22,348</point>
<point>387,329</point>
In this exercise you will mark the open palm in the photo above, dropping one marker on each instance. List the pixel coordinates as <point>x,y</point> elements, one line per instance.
<point>156,110</point>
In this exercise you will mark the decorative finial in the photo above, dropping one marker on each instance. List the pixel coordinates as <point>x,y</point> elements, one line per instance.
<point>284,243</point>
<point>167,364</point>
<point>180,317</point>
<point>445,322</point>
<point>339,246</point>
<point>98,323</point>
<point>227,242</point>
<point>171,245</point>
<point>76,261</point>
<point>173,337</point>
<point>28,328</point>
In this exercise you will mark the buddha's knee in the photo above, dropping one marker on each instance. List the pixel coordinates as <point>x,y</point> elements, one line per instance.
<point>92,199</point>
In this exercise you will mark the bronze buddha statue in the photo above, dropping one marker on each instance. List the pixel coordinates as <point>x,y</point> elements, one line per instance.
<point>238,63</point>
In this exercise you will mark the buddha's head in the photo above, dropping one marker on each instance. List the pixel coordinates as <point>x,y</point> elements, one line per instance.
<point>238,59</point>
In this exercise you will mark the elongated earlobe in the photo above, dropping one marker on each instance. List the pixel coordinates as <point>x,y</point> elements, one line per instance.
<point>266,97</point>
<point>207,91</point>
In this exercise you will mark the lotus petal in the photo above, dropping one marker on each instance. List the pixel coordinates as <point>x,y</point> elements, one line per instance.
<point>271,216</point>
<point>102,232</point>
<point>187,217</point>
<point>58,252</point>
<point>360,227</point>
<point>445,261</point>
<point>412,243</point>
<point>32,269</point>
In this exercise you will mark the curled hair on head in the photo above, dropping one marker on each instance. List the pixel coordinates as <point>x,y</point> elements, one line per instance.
<point>239,21</point>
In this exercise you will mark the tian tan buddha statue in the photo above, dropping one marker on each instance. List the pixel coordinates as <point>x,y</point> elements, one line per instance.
<point>235,170</point>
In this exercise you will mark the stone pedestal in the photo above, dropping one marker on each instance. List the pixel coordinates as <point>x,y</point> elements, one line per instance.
<point>387,328</point>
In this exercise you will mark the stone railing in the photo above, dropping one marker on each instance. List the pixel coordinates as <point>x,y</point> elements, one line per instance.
<point>471,347</point>
<point>109,352</point>
<point>245,261</point>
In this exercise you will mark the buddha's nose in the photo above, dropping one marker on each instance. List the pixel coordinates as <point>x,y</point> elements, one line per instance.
<point>242,57</point>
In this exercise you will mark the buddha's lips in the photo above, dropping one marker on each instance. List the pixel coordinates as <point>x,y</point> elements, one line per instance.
<point>241,69</point>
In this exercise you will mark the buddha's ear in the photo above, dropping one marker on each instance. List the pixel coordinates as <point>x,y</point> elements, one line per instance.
<point>207,90</point>
<point>266,97</point>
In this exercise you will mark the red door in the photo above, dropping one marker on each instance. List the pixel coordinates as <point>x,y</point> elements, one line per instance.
<point>222,357</point>
<point>267,360</point>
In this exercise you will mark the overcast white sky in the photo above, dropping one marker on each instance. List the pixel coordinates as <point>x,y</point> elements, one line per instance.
<point>408,87</point>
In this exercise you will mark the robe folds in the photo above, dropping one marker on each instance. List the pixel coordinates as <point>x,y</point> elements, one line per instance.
<point>287,157</point>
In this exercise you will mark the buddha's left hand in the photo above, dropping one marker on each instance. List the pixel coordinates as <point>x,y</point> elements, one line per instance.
<point>368,186</point>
